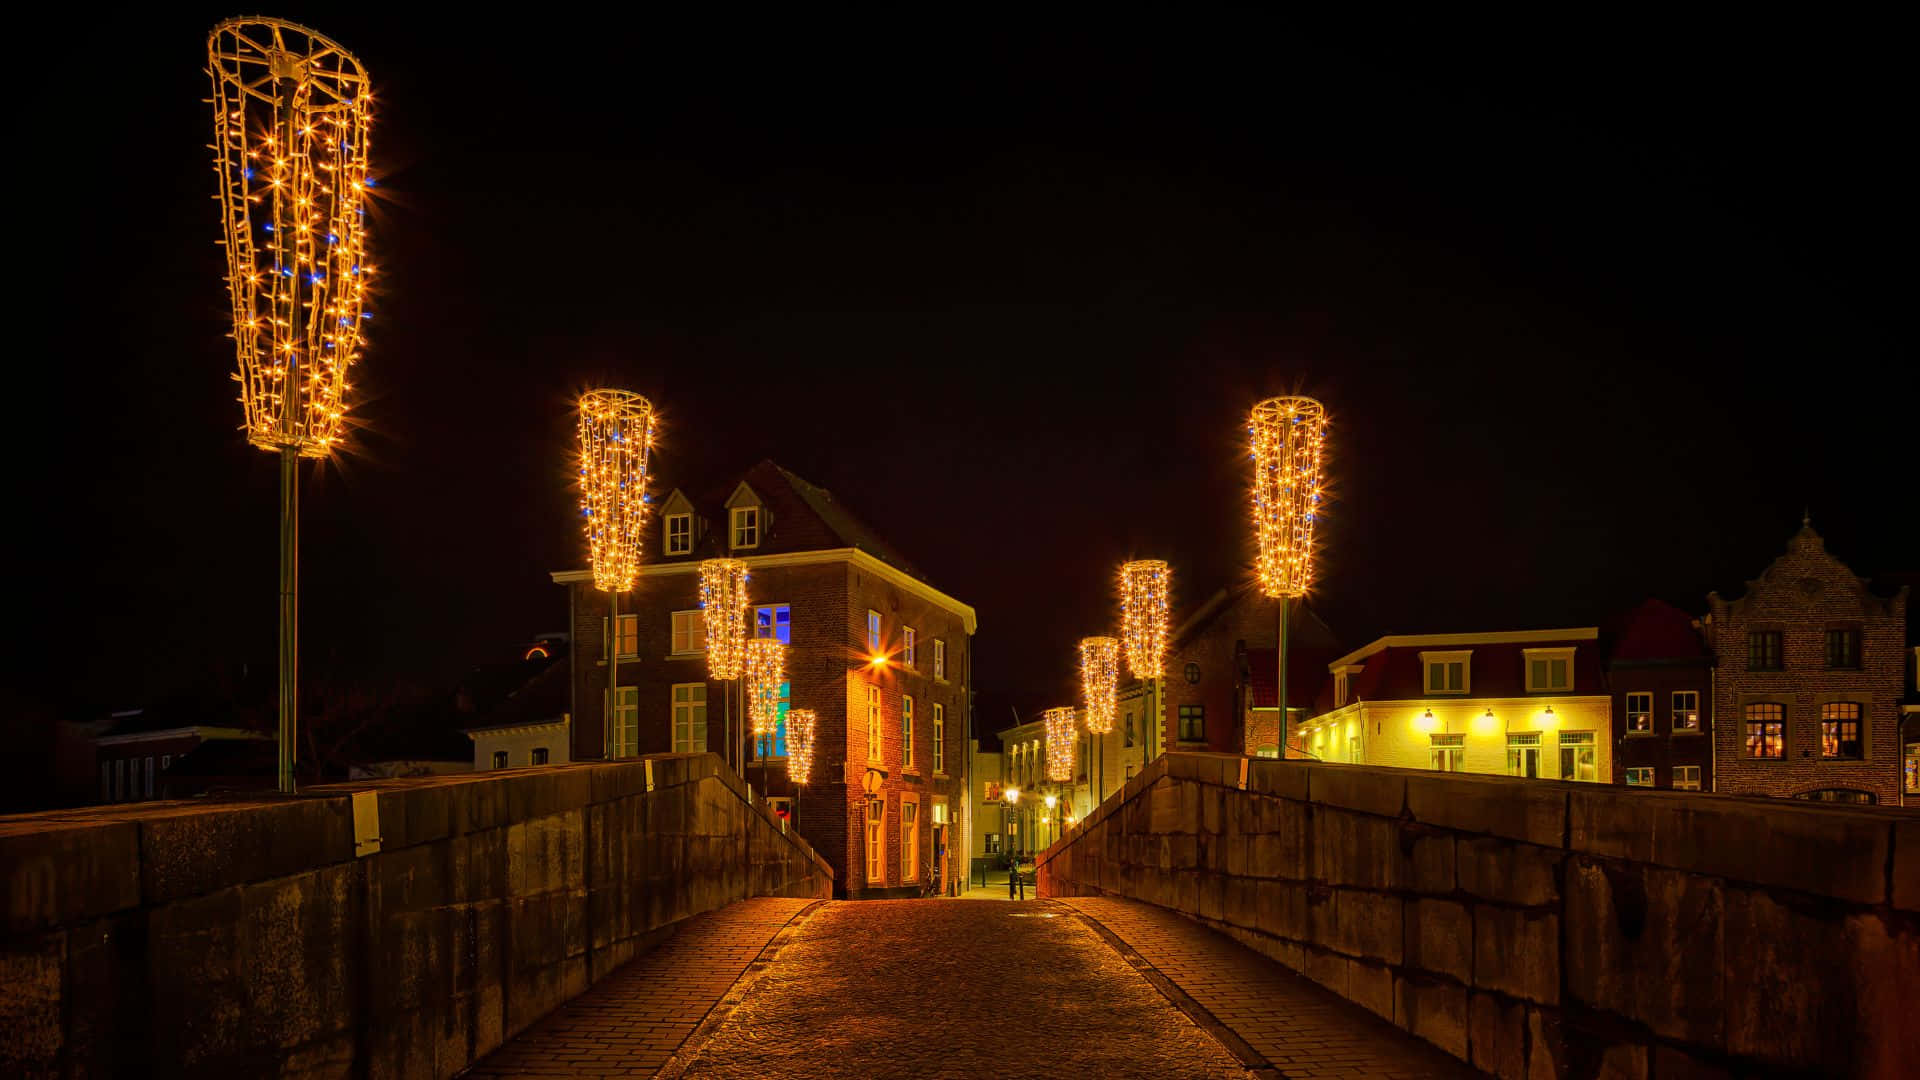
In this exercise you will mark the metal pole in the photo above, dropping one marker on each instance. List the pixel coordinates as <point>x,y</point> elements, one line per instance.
<point>289,613</point>
<point>613,671</point>
<point>1282,652</point>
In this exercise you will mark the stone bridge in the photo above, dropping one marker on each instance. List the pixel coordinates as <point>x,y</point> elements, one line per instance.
<point>1217,917</point>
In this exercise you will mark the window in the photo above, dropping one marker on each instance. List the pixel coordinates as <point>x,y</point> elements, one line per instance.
<point>148,770</point>
<point>939,658</point>
<point>746,526</point>
<point>1840,729</point>
<point>120,789</point>
<point>876,842</point>
<point>1549,670</point>
<point>629,636</point>
<point>939,739</point>
<point>1841,795</point>
<point>873,632</point>
<point>1639,712</point>
<point>909,838</point>
<point>1448,752</point>
<point>539,755</point>
<point>626,724</point>
<point>1353,749</point>
<point>1640,777</point>
<point>993,843</point>
<point>1686,778</point>
<point>782,807</point>
<point>774,621</point>
<point>1766,725</point>
<point>166,762</point>
<point>1686,710</point>
<point>873,724</point>
<point>1448,672</point>
<point>1193,723</point>
<point>690,718</point>
<point>689,632</point>
<point>1843,648</point>
<point>1129,736</point>
<point>1192,672</point>
<point>774,744</point>
<point>106,781</point>
<point>679,534</point>
<point>499,759</point>
<point>1523,753</point>
<point>910,649</point>
<point>1578,756</point>
<point>1763,650</point>
<point>1913,769</point>
<point>940,812</point>
<point>906,731</point>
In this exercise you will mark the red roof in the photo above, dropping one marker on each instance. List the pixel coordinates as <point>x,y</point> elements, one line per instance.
<point>1656,630</point>
<point>1498,670</point>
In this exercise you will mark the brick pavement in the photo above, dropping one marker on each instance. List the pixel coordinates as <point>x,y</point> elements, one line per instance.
<point>632,1021</point>
<point>1295,1026</point>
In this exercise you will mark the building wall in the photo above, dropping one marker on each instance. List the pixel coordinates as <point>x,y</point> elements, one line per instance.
<point>1805,592</point>
<point>519,743</point>
<point>1398,733</point>
<point>1249,618</point>
<point>1663,747</point>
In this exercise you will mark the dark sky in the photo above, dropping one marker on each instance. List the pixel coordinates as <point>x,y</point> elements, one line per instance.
<point>1597,310</point>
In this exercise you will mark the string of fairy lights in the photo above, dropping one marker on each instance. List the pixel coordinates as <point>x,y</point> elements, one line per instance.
<point>292,115</point>
<point>1099,682</point>
<point>1287,436</point>
<point>801,725</point>
<point>723,608</point>
<point>1061,737</point>
<point>616,434</point>
<point>766,670</point>
<point>1145,588</point>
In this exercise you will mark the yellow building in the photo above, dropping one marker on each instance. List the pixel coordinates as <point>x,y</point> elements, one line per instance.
<point>1521,703</point>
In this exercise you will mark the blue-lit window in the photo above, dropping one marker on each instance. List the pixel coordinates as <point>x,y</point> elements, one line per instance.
<point>775,745</point>
<point>774,621</point>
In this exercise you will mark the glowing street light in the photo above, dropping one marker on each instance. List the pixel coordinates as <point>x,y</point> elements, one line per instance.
<point>766,671</point>
<point>1288,438</point>
<point>723,609</point>
<point>801,724</point>
<point>1060,742</point>
<point>1146,586</point>
<point>291,116</point>
<point>616,435</point>
<point>1099,691</point>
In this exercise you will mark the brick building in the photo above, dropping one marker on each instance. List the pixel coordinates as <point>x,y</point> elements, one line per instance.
<point>1659,674</point>
<point>882,657</point>
<point>1809,668</point>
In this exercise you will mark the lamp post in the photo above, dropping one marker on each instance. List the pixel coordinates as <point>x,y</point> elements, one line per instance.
<point>1145,589</point>
<point>291,116</point>
<point>766,664</point>
<point>723,610</point>
<point>1287,436</point>
<point>616,435</point>
<point>1010,806</point>
<point>1052,801</point>
<point>1099,676</point>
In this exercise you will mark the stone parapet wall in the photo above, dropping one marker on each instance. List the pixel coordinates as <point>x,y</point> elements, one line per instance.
<point>1539,928</point>
<point>271,936</point>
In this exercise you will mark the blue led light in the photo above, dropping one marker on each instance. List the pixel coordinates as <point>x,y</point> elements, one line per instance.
<point>267,225</point>
<point>248,173</point>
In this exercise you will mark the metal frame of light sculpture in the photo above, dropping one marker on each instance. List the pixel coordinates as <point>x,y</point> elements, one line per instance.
<point>801,724</point>
<point>1099,691</point>
<point>1061,736</point>
<point>1146,587</point>
<point>723,609</point>
<point>616,438</point>
<point>291,115</point>
<point>766,664</point>
<point>1287,440</point>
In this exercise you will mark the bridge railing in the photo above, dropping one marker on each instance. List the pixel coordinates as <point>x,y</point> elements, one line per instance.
<point>391,928</point>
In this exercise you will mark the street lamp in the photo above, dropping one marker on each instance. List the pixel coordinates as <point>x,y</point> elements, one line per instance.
<point>1099,678</point>
<point>1052,801</point>
<point>1010,805</point>
<point>291,116</point>
<point>766,663</point>
<point>616,433</point>
<point>1288,435</point>
<point>723,609</point>
<point>1145,587</point>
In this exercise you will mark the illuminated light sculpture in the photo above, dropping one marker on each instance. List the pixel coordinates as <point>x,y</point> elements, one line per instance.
<point>616,436</point>
<point>800,730</point>
<point>1060,743</point>
<point>291,115</point>
<point>1099,681</point>
<point>723,607</point>
<point>1288,441</point>
<point>1145,592</point>
<point>766,663</point>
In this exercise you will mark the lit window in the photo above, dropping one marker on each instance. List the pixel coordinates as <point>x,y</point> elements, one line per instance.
<point>906,731</point>
<point>909,838</point>
<point>939,658</point>
<point>1523,753</point>
<point>679,534</point>
<point>1840,729</point>
<point>873,724</point>
<point>1449,752</point>
<point>746,526</point>
<point>993,843</point>
<point>909,650</point>
<point>1448,672</point>
<point>1639,712</point>
<point>1129,735</point>
<point>1578,756</point>
<point>1193,723</point>
<point>873,632</point>
<point>689,632</point>
<point>539,755</point>
<point>499,759</point>
<point>626,723</point>
<point>1640,777</point>
<point>1766,727</point>
<point>629,636</point>
<point>939,739</point>
<point>1686,710</point>
<point>774,621</point>
<point>1549,670</point>
<point>690,718</point>
<point>876,843</point>
<point>1686,778</point>
<point>1763,650</point>
<point>940,810</point>
<point>774,744</point>
<point>1843,648</point>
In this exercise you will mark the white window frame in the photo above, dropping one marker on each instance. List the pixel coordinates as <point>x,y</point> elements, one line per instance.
<point>502,759</point>
<point>685,535</point>
<point>1548,656</point>
<point>1646,713</point>
<point>874,632</point>
<point>909,648</point>
<point>695,622</point>
<point>876,827</point>
<point>613,640</point>
<point>773,621</point>
<point>909,838</point>
<point>939,739</point>
<point>626,737</point>
<point>1644,774</point>
<point>1692,780</point>
<point>1519,743</point>
<point>743,528</point>
<point>940,659</point>
<point>690,743</point>
<point>539,755</point>
<point>906,733</point>
<point>1577,741</point>
<point>1693,706</point>
<point>876,747</point>
<point>1448,752</point>
<point>1431,660</point>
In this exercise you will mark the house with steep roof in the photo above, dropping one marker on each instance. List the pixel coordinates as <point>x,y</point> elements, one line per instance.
<point>880,655</point>
<point>1660,676</point>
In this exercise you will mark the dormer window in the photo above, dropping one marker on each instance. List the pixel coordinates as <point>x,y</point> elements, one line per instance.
<point>746,527</point>
<point>1549,670</point>
<point>679,534</point>
<point>1448,672</point>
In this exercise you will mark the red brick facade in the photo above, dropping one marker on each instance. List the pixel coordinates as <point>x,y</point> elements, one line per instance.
<point>1801,597</point>
<point>1657,655</point>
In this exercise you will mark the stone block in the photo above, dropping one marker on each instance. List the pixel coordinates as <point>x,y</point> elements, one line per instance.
<point>1433,1010</point>
<point>1220,770</point>
<point>1440,938</point>
<point>193,965</point>
<point>1793,984</point>
<point>32,1031</point>
<point>1623,1061</point>
<point>60,874</point>
<point>1163,808</point>
<point>1671,1064</point>
<point>1329,969</point>
<point>1356,849</point>
<point>1280,853</point>
<point>1370,986</point>
<point>1906,865</point>
<point>1884,969</point>
<point>417,813</point>
<point>1517,809</point>
<point>297,978</point>
<point>545,854</point>
<point>477,865</point>
<point>1233,855</point>
<point>1381,792</point>
<point>1430,867</point>
<point>1281,909</point>
<point>1498,1029</point>
<point>1272,776</point>
<point>1369,924</point>
<point>1213,897</point>
<point>201,849</point>
<point>109,1011</point>
<point>542,990</point>
<point>1322,917</point>
<point>617,780</point>
<point>1647,943</point>
<point>1497,869</point>
<point>1243,902</point>
<point>1517,953</point>
<point>1546,1046</point>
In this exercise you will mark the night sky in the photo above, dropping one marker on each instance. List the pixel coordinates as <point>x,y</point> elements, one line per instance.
<point>1596,310</point>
